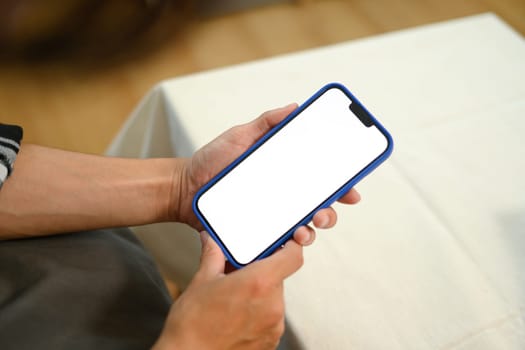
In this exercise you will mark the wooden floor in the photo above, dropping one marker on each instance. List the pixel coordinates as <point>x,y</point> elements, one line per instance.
<point>81,109</point>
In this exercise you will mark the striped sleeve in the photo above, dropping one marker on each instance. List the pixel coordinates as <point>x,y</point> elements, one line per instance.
<point>10,138</point>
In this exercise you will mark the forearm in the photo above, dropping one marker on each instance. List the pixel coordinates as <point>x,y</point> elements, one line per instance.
<point>53,191</point>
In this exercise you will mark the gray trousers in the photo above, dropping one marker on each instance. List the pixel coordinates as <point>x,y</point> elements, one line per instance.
<point>87,290</point>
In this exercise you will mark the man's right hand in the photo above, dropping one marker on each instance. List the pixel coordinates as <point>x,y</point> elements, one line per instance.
<point>240,310</point>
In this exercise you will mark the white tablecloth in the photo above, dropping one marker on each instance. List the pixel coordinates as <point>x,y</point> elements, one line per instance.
<point>434,256</point>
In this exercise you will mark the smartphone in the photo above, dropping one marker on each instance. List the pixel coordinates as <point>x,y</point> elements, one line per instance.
<point>304,164</point>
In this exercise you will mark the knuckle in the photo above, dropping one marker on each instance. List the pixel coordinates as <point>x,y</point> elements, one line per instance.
<point>279,330</point>
<point>236,130</point>
<point>276,313</point>
<point>259,286</point>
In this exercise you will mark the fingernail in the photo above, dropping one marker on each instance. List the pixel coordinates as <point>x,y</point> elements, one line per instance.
<point>309,239</point>
<point>324,222</point>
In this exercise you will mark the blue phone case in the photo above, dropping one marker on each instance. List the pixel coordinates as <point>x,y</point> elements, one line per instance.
<point>352,182</point>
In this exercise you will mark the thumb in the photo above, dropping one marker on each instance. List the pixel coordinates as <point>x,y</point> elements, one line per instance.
<point>281,264</point>
<point>212,259</point>
<point>269,119</point>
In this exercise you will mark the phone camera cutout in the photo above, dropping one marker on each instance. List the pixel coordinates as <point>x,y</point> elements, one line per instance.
<point>361,114</point>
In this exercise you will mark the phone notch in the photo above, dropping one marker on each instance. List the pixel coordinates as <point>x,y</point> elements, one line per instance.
<point>362,114</point>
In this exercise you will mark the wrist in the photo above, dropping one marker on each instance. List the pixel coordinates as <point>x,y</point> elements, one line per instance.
<point>180,193</point>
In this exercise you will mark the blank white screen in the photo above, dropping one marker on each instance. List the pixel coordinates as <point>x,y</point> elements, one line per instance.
<point>289,175</point>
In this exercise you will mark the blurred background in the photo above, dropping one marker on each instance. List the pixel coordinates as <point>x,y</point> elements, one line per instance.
<point>72,71</point>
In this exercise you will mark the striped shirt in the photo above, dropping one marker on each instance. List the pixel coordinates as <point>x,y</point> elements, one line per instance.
<point>10,137</point>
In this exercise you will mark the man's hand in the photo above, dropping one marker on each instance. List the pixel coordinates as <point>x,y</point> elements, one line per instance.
<point>241,310</point>
<point>53,191</point>
<point>215,156</point>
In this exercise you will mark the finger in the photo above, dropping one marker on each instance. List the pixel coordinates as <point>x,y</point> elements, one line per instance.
<point>280,265</point>
<point>269,119</point>
<point>350,197</point>
<point>212,259</point>
<point>304,235</point>
<point>325,218</point>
